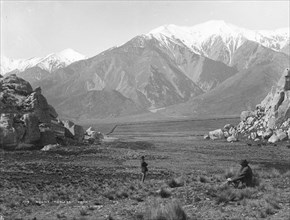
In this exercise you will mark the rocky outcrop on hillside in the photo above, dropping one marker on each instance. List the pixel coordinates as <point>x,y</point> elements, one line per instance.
<point>28,121</point>
<point>270,121</point>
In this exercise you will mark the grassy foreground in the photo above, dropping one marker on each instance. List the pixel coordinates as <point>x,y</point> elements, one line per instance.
<point>185,181</point>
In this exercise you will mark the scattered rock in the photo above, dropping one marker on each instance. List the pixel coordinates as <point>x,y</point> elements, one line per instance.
<point>281,135</point>
<point>227,127</point>
<point>216,134</point>
<point>49,147</point>
<point>267,134</point>
<point>206,137</point>
<point>232,139</point>
<point>92,136</point>
<point>76,130</point>
<point>273,139</point>
<point>245,115</point>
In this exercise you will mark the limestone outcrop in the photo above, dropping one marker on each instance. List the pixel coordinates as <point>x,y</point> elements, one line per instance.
<point>27,120</point>
<point>270,121</point>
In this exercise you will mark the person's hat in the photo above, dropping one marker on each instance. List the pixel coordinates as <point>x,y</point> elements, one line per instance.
<point>244,162</point>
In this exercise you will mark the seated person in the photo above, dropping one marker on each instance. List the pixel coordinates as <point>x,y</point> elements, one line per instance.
<point>244,177</point>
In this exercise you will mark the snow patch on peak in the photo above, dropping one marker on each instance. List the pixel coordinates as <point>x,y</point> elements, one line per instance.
<point>50,63</point>
<point>70,55</point>
<point>201,35</point>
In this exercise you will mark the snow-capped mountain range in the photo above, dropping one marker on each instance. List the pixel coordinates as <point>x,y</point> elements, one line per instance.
<point>206,37</point>
<point>212,68</point>
<point>49,63</point>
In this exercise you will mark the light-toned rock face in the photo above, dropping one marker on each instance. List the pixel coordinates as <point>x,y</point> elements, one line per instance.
<point>269,121</point>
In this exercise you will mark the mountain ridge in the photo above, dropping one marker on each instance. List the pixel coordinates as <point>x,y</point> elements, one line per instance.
<point>163,75</point>
<point>49,63</point>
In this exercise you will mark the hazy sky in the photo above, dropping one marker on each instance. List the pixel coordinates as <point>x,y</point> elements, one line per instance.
<point>30,29</point>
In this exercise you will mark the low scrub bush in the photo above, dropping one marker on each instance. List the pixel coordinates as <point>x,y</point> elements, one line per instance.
<point>170,211</point>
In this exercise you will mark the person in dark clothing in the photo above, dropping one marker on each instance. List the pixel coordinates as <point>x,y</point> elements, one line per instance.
<point>144,168</point>
<point>245,176</point>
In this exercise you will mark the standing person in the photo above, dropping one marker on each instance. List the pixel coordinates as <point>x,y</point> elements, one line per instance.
<point>144,168</point>
<point>245,176</point>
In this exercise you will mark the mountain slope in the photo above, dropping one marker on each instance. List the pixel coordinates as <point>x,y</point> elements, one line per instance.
<point>210,69</point>
<point>98,104</point>
<point>242,91</point>
<point>151,74</point>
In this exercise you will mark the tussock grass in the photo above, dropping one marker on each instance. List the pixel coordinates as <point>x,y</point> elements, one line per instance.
<point>84,211</point>
<point>287,174</point>
<point>270,174</point>
<point>122,194</point>
<point>164,193</point>
<point>225,193</point>
<point>176,182</point>
<point>110,194</point>
<point>229,173</point>
<point>170,211</point>
<point>203,179</point>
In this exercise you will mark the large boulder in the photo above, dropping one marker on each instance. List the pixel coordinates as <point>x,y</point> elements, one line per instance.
<point>37,104</point>
<point>216,134</point>
<point>58,129</point>
<point>273,139</point>
<point>76,130</point>
<point>227,127</point>
<point>32,134</point>
<point>93,136</point>
<point>8,134</point>
<point>16,85</point>
<point>22,110</point>
<point>47,135</point>
<point>90,131</point>
<point>20,130</point>
<point>232,139</point>
<point>245,115</point>
<point>281,135</point>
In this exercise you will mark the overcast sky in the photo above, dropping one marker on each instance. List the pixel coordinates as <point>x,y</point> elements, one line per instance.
<point>33,29</point>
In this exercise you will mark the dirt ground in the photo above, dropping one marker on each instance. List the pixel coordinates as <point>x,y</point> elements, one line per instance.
<point>103,181</point>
